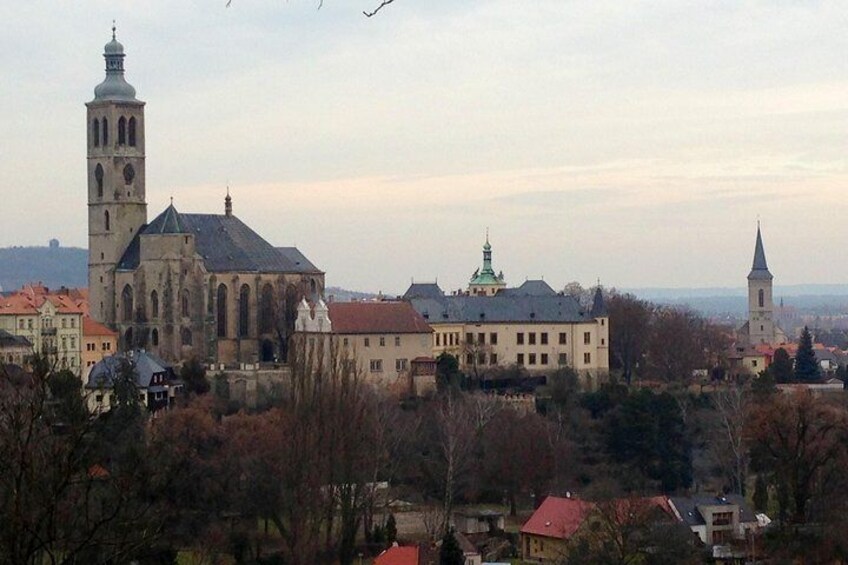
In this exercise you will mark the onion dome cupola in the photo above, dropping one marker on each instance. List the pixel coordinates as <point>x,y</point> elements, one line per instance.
<point>114,87</point>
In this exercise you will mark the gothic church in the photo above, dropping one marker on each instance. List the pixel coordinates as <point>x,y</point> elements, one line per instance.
<point>183,285</point>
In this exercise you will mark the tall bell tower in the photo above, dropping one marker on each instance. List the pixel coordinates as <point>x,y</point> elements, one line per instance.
<point>761,325</point>
<point>117,208</point>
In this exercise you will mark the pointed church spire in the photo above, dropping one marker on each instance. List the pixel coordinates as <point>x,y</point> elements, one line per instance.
<point>228,203</point>
<point>759,269</point>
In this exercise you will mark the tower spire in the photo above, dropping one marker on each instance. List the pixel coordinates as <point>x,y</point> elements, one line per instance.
<point>228,203</point>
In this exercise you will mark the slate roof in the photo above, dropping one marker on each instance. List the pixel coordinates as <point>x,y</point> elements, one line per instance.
<point>300,261</point>
<point>530,288</point>
<point>11,340</point>
<point>224,242</point>
<point>423,290</point>
<point>759,268</point>
<point>599,308</point>
<point>498,308</point>
<point>687,508</point>
<point>376,318</point>
<point>145,365</point>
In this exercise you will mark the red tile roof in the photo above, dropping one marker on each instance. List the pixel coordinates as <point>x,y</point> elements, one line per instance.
<point>28,300</point>
<point>93,327</point>
<point>397,555</point>
<point>557,517</point>
<point>561,517</point>
<point>376,318</point>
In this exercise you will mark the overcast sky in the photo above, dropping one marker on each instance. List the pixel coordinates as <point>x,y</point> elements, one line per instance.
<point>636,142</point>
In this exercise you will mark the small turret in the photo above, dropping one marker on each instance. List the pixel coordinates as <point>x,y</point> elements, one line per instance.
<point>228,204</point>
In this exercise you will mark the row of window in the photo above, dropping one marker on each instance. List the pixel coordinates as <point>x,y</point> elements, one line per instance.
<point>376,365</point>
<point>47,323</point>
<point>105,346</point>
<point>543,359</point>
<point>382,341</point>
<point>128,173</point>
<point>126,131</point>
<point>481,358</point>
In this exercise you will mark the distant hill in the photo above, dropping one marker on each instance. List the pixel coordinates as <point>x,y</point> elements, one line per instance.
<point>53,265</point>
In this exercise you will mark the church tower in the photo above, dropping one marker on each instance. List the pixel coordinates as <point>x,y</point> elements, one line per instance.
<point>117,209</point>
<point>761,325</point>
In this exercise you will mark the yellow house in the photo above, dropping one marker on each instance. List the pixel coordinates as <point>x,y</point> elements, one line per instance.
<point>98,342</point>
<point>390,342</point>
<point>50,321</point>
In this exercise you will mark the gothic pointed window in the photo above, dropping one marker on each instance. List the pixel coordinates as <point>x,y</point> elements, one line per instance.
<point>185,336</point>
<point>266,310</point>
<point>105,132</point>
<point>154,337</point>
<point>98,178</point>
<point>95,132</point>
<point>222,310</point>
<point>122,131</point>
<point>131,132</point>
<point>244,311</point>
<point>184,304</point>
<point>127,303</point>
<point>154,304</point>
<point>761,298</point>
<point>129,174</point>
<point>106,220</point>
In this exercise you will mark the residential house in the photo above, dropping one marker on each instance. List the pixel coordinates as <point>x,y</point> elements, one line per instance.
<point>478,521</point>
<point>50,321</point>
<point>98,342</point>
<point>14,349</point>
<point>389,341</point>
<point>546,535</point>
<point>155,380</point>
<point>717,520</point>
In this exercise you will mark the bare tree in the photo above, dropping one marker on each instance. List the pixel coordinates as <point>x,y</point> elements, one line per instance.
<point>731,449</point>
<point>456,443</point>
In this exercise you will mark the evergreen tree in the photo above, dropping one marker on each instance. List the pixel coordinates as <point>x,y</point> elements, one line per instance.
<point>451,553</point>
<point>806,366</point>
<point>781,366</point>
<point>391,529</point>
<point>761,494</point>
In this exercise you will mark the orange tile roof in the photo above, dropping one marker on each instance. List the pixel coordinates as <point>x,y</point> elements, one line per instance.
<point>376,318</point>
<point>93,327</point>
<point>26,302</point>
<point>398,555</point>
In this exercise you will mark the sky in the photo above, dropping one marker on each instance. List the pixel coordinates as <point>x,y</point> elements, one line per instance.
<point>633,142</point>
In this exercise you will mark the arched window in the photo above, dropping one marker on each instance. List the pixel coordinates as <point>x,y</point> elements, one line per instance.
<point>185,336</point>
<point>154,337</point>
<point>127,303</point>
<point>184,303</point>
<point>122,131</point>
<point>266,309</point>
<point>131,132</point>
<point>761,298</point>
<point>98,178</point>
<point>222,310</point>
<point>154,305</point>
<point>106,219</point>
<point>95,132</point>
<point>312,286</point>
<point>244,311</point>
<point>129,174</point>
<point>105,132</point>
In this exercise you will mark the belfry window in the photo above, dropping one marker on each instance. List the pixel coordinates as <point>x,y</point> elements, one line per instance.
<point>95,132</point>
<point>105,132</point>
<point>761,298</point>
<point>129,174</point>
<point>98,177</point>
<point>122,131</point>
<point>131,132</point>
<point>106,219</point>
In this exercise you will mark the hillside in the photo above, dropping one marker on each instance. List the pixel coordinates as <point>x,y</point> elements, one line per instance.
<point>54,266</point>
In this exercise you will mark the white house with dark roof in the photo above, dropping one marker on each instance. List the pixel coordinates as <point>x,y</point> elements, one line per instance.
<point>155,380</point>
<point>183,285</point>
